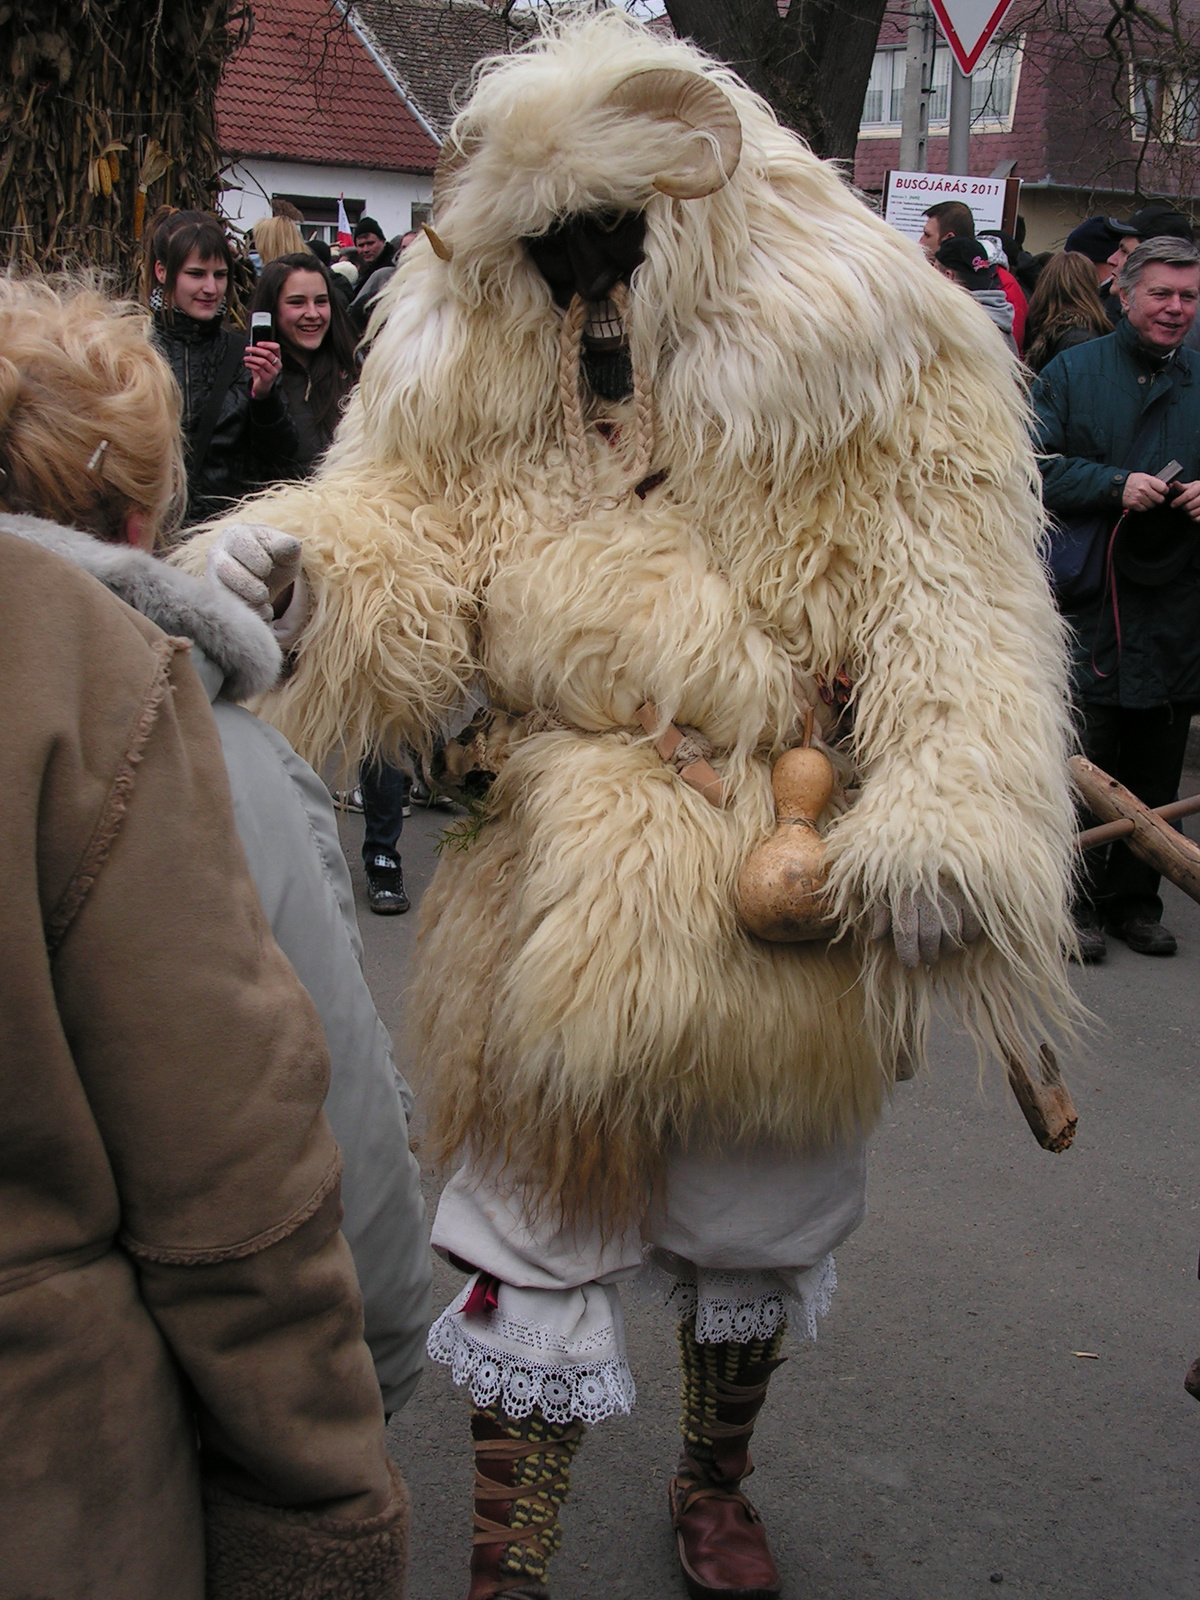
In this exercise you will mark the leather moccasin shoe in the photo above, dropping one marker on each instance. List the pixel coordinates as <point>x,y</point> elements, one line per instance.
<point>722,1545</point>
<point>1147,937</point>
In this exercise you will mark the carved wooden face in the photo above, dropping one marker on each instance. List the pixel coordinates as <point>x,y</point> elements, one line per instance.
<point>587,255</point>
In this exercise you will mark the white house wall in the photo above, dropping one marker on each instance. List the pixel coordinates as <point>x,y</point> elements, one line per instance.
<point>388,196</point>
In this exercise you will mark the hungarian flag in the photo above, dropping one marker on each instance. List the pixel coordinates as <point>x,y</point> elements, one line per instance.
<point>345,237</point>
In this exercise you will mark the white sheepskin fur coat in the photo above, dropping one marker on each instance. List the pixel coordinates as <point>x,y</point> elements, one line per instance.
<point>848,485</point>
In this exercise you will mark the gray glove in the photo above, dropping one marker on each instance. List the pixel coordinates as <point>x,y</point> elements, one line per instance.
<point>924,928</point>
<point>257,564</point>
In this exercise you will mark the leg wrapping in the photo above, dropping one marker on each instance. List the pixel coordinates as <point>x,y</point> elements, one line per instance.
<point>522,1477</point>
<point>724,1386</point>
<point>723,1548</point>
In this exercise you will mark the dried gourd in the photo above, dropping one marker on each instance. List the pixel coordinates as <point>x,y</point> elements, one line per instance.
<point>781,888</point>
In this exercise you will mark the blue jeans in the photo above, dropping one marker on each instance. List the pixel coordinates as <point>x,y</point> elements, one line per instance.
<point>385,790</point>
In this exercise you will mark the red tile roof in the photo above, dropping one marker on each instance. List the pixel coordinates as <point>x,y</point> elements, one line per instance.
<point>305,88</point>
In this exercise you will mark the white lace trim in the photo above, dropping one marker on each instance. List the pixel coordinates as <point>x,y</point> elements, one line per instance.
<point>588,1393</point>
<point>728,1321</point>
<point>736,1307</point>
<point>533,1336</point>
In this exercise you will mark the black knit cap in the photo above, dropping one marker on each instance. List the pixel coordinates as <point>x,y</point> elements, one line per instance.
<point>1096,238</point>
<point>1156,221</point>
<point>368,225</point>
<point>968,260</point>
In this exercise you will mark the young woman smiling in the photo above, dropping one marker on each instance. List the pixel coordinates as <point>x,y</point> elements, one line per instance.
<point>317,346</point>
<point>237,431</point>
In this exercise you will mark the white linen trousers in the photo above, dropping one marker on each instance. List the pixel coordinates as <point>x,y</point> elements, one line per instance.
<point>740,1232</point>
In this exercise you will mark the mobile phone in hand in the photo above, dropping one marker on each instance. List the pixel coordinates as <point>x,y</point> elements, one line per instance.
<point>1170,472</point>
<point>260,326</point>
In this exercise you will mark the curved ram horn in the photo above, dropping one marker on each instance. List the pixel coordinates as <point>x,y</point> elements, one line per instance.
<point>670,94</point>
<point>454,155</point>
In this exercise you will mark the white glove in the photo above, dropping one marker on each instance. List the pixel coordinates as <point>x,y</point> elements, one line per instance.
<point>924,928</point>
<point>257,564</point>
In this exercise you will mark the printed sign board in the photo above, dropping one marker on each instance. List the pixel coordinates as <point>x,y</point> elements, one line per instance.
<point>908,195</point>
<point>968,25</point>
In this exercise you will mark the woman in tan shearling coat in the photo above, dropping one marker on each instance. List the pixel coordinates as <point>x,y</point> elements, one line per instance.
<point>187,1407</point>
<point>171,1263</point>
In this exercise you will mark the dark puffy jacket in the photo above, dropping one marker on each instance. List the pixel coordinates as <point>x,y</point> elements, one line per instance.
<point>368,269</point>
<point>1089,403</point>
<point>254,441</point>
<point>364,300</point>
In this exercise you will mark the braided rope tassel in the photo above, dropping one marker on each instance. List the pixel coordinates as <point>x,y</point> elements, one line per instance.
<point>570,345</point>
<point>643,394</point>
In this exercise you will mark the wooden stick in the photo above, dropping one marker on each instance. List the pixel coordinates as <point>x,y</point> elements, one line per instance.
<point>1044,1099</point>
<point>1152,838</point>
<point>1093,838</point>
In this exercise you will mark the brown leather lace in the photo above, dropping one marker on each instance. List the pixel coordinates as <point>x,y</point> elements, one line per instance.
<point>488,1489</point>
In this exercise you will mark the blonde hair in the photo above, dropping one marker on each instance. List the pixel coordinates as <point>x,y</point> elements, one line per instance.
<point>89,410</point>
<point>277,236</point>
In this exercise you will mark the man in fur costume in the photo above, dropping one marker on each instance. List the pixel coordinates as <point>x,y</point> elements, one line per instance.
<point>661,428</point>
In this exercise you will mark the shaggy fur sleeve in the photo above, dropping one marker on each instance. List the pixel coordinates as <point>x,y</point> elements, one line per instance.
<point>962,735</point>
<point>386,652</point>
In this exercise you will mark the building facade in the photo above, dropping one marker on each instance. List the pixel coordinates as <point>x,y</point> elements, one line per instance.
<point>1085,129</point>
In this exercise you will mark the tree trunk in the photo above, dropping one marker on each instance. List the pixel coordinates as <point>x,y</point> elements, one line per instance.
<point>812,63</point>
<point>99,99</point>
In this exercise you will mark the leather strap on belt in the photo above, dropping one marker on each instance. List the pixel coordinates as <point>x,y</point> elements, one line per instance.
<point>688,753</point>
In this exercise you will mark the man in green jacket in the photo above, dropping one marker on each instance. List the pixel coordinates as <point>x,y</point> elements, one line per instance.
<point>1112,415</point>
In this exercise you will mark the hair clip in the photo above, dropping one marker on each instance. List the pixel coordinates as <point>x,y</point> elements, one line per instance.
<point>97,455</point>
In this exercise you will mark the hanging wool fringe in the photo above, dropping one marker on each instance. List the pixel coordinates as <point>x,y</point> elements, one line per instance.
<point>643,397</point>
<point>570,351</point>
<point>570,345</point>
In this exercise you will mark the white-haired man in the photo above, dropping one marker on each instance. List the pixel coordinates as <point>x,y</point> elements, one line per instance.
<point>1112,415</point>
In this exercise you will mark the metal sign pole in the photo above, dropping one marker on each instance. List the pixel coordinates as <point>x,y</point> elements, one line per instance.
<point>958,157</point>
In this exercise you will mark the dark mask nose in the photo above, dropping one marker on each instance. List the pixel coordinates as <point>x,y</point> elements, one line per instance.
<point>586,255</point>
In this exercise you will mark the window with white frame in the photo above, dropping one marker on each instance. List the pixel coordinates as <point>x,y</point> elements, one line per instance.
<point>1163,105</point>
<point>993,83</point>
<point>993,88</point>
<point>885,91</point>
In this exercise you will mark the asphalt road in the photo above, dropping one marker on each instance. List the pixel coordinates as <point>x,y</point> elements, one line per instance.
<point>941,1439</point>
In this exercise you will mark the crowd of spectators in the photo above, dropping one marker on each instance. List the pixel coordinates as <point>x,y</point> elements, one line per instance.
<point>1106,337</point>
<point>206,1464</point>
<point>220,1332</point>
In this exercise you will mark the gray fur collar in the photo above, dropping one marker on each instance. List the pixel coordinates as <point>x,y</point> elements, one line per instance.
<point>242,648</point>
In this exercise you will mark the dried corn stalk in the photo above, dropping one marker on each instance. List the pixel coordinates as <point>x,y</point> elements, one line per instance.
<point>105,112</point>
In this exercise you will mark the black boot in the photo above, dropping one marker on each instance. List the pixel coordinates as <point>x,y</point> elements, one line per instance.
<point>522,1477</point>
<point>722,1544</point>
